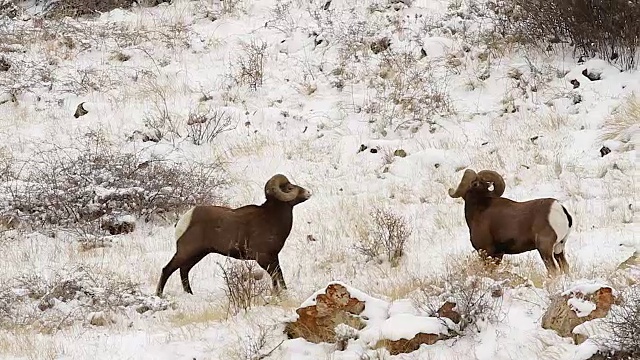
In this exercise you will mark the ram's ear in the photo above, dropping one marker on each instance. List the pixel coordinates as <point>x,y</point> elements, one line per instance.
<point>496,179</point>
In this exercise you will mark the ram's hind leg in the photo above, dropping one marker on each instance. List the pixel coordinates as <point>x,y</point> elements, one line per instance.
<point>547,255</point>
<point>169,269</point>
<point>184,271</point>
<point>562,262</point>
<point>558,254</point>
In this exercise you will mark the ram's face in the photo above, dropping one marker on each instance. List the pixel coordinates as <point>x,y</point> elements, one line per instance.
<point>479,187</point>
<point>302,194</point>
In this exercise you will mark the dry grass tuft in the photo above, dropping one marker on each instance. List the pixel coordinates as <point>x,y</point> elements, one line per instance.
<point>623,124</point>
<point>208,313</point>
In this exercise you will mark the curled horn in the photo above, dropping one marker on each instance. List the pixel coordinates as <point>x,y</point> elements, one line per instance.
<point>272,188</point>
<point>495,178</point>
<point>467,178</point>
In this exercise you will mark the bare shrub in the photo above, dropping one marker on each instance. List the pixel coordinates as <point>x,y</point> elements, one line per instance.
<point>245,286</point>
<point>623,325</point>
<point>232,7</point>
<point>469,284</point>
<point>75,8</point>
<point>9,9</point>
<point>33,300</point>
<point>203,126</point>
<point>250,64</point>
<point>406,93</point>
<point>254,345</point>
<point>608,29</point>
<point>94,180</point>
<point>384,235</point>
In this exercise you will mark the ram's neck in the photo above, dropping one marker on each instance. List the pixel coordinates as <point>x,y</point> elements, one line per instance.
<point>281,217</point>
<point>474,206</point>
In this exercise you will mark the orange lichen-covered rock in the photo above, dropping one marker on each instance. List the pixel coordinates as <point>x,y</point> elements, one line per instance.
<point>577,306</point>
<point>317,323</point>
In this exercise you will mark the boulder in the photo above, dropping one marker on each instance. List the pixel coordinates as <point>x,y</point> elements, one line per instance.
<point>446,311</point>
<point>317,323</point>
<point>341,315</point>
<point>576,306</point>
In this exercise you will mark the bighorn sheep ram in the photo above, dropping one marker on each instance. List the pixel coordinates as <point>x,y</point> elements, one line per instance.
<point>251,232</point>
<point>501,226</point>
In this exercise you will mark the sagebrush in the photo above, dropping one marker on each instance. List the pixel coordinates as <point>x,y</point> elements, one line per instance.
<point>94,181</point>
<point>244,285</point>
<point>33,300</point>
<point>384,234</point>
<point>623,324</point>
<point>608,29</point>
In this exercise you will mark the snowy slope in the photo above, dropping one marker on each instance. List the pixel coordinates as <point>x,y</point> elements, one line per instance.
<point>308,119</point>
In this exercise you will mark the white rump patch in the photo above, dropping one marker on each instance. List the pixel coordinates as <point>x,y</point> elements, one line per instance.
<point>560,224</point>
<point>185,220</point>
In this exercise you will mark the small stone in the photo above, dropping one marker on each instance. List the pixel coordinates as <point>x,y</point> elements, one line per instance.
<point>400,153</point>
<point>514,73</point>
<point>4,64</point>
<point>591,75</point>
<point>497,292</point>
<point>142,309</point>
<point>604,151</point>
<point>380,45</point>
<point>98,318</point>
<point>373,151</point>
<point>575,83</point>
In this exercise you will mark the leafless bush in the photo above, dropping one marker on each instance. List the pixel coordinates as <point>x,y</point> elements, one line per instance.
<point>254,345</point>
<point>250,64</point>
<point>205,126</point>
<point>94,180</point>
<point>605,28</point>
<point>282,19</point>
<point>406,93</point>
<point>469,284</point>
<point>74,8</point>
<point>623,325</point>
<point>33,300</point>
<point>245,285</point>
<point>232,7</point>
<point>8,8</point>
<point>384,235</point>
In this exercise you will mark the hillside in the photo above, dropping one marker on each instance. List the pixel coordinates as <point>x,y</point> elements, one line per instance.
<point>375,106</point>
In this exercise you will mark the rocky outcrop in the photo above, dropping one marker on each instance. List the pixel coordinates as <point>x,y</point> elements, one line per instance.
<point>576,306</point>
<point>317,323</point>
<point>339,314</point>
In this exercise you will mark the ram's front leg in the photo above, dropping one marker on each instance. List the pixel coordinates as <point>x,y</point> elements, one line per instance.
<point>271,265</point>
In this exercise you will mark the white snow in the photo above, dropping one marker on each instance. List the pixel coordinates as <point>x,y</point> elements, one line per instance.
<point>403,326</point>
<point>586,287</point>
<point>581,307</point>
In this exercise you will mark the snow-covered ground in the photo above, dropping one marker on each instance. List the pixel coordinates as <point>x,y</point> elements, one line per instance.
<point>320,94</point>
